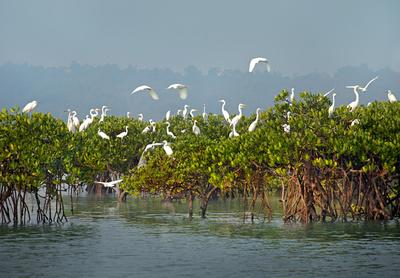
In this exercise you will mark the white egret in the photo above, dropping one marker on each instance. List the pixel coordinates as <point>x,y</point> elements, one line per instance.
<point>128,115</point>
<point>148,89</point>
<point>253,125</point>
<point>140,117</point>
<point>332,107</point>
<point>391,96</point>
<point>75,119</point>
<point>191,113</point>
<point>29,107</point>
<point>168,115</point>
<point>142,160</point>
<point>355,122</point>
<point>146,129</point>
<point>352,105</point>
<point>204,114</point>
<point>224,112</point>
<point>255,61</point>
<point>167,148</point>
<point>292,95</point>
<point>286,128</point>
<point>103,135</point>
<point>182,89</point>
<point>170,132</point>
<point>195,128</point>
<point>364,89</point>
<point>70,124</point>
<point>185,111</point>
<point>233,133</point>
<point>123,134</point>
<point>103,113</point>
<point>153,125</point>
<point>236,119</point>
<point>85,123</point>
<point>178,112</point>
<point>109,183</point>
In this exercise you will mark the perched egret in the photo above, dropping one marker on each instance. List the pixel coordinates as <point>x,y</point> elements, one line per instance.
<point>182,89</point>
<point>142,160</point>
<point>103,135</point>
<point>204,114</point>
<point>29,107</point>
<point>233,133</point>
<point>128,115</point>
<point>110,183</point>
<point>167,148</point>
<point>352,105</point>
<point>123,134</point>
<point>103,113</point>
<point>255,61</point>
<point>140,117</point>
<point>185,111</point>
<point>236,119</point>
<point>355,122</point>
<point>75,119</point>
<point>191,113</point>
<point>391,96</point>
<point>253,125</point>
<point>195,128</point>
<point>70,124</point>
<point>168,115</point>
<point>148,89</point>
<point>292,95</point>
<point>332,107</point>
<point>153,126</point>
<point>286,128</point>
<point>170,132</point>
<point>224,112</point>
<point>86,122</point>
<point>178,112</point>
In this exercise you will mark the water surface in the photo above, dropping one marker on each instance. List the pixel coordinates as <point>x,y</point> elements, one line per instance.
<point>154,239</point>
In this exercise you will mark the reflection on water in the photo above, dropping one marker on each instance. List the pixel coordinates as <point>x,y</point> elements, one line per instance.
<point>149,238</point>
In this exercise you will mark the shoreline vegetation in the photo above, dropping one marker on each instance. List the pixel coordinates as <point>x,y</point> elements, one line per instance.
<point>327,168</point>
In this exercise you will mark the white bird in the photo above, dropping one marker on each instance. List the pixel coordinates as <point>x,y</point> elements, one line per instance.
<point>182,89</point>
<point>167,148</point>
<point>123,134</point>
<point>352,105</point>
<point>170,132</point>
<point>224,112</point>
<point>29,107</point>
<point>110,183</point>
<point>185,111</point>
<point>142,160</point>
<point>255,61</point>
<point>168,115</point>
<point>292,95</point>
<point>140,118</point>
<point>286,128</point>
<point>70,124</point>
<point>103,113</point>
<point>332,107</point>
<point>128,115</point>
<point>195,128</point>
<point>233,133</point>
<point>391,96</point>
<point>364,89</point>
<point>148,89</point>
<point>146,129</point>
<point>236,119</point>
<point>355,122</point>
<point>85,123</point>
<point>253,125</point>
<point>204,114</point>
<point>153,125</point>
<point>103,135</point>
<point>178,112</point>
<point>191,113</point>
<point>328,92</point>
<point>75,119</point>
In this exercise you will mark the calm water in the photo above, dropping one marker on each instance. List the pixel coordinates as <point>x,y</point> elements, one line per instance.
<point>151,239</point>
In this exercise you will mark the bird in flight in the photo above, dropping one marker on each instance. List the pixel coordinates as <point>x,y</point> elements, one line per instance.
<point>148,89</point>
<point>257,60</point>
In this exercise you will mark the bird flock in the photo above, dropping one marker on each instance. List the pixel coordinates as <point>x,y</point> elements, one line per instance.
<point>75,125</point>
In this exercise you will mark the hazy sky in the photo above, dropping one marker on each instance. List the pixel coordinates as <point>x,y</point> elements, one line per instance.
<point>297,36</point>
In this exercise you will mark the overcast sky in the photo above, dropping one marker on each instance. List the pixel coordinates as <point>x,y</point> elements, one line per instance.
<point>297,36</point>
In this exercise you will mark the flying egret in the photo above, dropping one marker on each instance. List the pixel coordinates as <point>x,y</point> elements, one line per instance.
<point>182,89</point>
<point>195,128</point>
<point>109,183</point>
<point>204,114</point>
<point>123,134</point>
<point>140,118</point>
<point>391,96</point>
<point>29,107</point>
<point>352,105</point>
<point>253,125</point>
<point>191,113</point>
<point>236,119</point>
<point>255,61</point>
<point>170,132</point>
<point>185,111</point>
<point>332,107</point>
<point>148,89</point>
<point>364,89</point>
<point>224,112</point>
<point>167,148</point>
<point>103,135</point>
<point>167,115</point>
<point>233,133</point>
